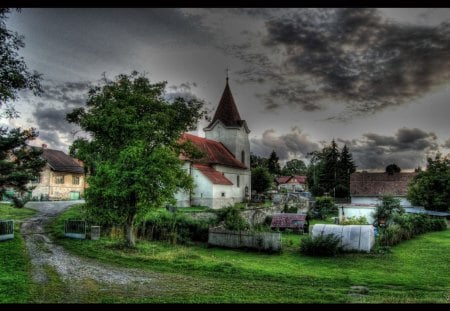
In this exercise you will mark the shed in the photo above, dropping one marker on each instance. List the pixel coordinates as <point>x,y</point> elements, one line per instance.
<point>290,221</point>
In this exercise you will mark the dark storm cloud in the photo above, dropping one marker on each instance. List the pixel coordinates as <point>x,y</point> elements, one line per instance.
<point>353,56</point>
<point>408,148</point>
<point>66,93</point>
<point>295,143</point>
<point>447,143</point>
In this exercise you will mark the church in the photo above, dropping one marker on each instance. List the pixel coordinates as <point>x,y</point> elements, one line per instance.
<point>222,176</point>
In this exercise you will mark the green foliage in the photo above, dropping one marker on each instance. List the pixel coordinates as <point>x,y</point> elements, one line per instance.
<point>392,169</point>
<point>330,170</point>
<point>232,219</point>
<point>294,167</point>
<point>321,245</point>
<point>19,163</point>
<point>431,188</point>
<point>291,209</point>
<point>362,220</point>
<point>14,74</point>
<point>388,208</point>
<point>133,153</point>
<point>406,226</point>
<point>257,161</point>
<point>174,228</point>
<point>273,165</point>
<point>324,207</point>
<point>261,179</point>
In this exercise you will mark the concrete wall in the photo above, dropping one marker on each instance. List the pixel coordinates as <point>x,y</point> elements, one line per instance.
<point>348,211</point>
<point>376,200</point>
<point>269,241</point>
<point>351,238</point>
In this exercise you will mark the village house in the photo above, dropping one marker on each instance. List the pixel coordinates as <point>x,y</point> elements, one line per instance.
<point>222,175</point>
<point>62,177</point>
<point>367,188</point>
<point>293,183</point>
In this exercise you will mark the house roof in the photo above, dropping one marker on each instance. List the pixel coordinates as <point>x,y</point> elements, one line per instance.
<point>215,152</point>
<point>61,162</point>
<point>376,184</point>
<point>291,179</point>
<point>214,176</point>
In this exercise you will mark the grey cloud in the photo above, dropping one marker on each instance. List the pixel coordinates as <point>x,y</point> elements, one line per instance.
<point>296,143</point>
<point>66,93</point>
<point>447,143</point>
<point>350,55</point>
<point>408,148</point>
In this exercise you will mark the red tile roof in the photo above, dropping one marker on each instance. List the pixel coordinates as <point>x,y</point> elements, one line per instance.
<point>376,184</point>
<point>227,111</point>
<point>61,162</point>
<point>214,176</point>
<point>215,152</point>
<point>291,179</point>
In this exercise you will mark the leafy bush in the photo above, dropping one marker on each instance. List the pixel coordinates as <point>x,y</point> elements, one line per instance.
<point>322,245</point>
<point>362,220</point>
<point>324,207</point>
<point>232,219</point>
<point>174,228</point>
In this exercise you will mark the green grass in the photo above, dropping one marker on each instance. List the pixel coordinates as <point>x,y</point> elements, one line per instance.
<point>15,267</point>
<point>417,271</point>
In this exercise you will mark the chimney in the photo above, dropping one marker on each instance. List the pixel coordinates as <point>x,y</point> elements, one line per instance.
<point>44,146</point>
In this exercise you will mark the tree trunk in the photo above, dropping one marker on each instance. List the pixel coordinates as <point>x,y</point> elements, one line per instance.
<point>129,235</point>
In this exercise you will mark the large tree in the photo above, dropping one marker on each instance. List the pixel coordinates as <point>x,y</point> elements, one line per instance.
<point>261,179</point>
<point>431,188</point>
<point>273,165</point>
<point>294,167</point>
<point>346,167</point>
<point>19,163</point>
<point>14,74</point>
<point>133,150</point>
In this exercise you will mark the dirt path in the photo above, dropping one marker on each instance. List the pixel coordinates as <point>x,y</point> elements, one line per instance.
<point>45,253</point>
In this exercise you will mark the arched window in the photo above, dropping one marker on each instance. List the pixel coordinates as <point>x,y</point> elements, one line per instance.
<point>237,181</point>
<point>243,156</point>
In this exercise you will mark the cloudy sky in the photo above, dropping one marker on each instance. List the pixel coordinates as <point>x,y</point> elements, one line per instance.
<point>377,80</point>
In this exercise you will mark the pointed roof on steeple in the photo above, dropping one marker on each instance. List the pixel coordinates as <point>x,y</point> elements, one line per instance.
<point>227,111</point>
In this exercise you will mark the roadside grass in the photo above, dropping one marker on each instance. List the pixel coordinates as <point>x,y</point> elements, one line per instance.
<point>15,266</point>
<point>415,272</point>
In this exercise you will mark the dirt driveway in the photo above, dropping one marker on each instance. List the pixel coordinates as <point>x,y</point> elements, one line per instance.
<point>71,269</point>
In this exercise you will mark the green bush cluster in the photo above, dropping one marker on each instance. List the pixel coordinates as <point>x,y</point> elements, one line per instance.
<point>232,218</point>
<point>362,220</point>
<point>322,245</point>
<point>174,228</point>
<point>406,226</point>
<point>323,208</point>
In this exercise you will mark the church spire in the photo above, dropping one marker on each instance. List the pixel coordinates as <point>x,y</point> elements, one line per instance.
<point>227,111</point>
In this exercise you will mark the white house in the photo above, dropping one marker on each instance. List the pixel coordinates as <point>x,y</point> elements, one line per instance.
<point>291,183</point>
<point>367,189</point>
<point>222,175</point>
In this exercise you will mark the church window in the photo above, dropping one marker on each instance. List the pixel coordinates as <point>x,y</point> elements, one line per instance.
<point>223,194</point>
<point>237,181</point>
<point>243,156</point>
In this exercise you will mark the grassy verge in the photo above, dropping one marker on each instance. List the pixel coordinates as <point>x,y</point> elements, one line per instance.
<point>15,279</point>
<point>415,272</point>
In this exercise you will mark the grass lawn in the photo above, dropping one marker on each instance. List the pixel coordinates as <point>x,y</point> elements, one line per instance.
<point>417,271</point>
<point>15,280</point>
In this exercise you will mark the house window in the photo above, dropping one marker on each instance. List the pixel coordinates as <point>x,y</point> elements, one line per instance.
<point>243,156</point>
<point>59,179</point>
<point>238,181</point>
<point>36,179</point>
<point>223,194</point>
<point>75,180</point>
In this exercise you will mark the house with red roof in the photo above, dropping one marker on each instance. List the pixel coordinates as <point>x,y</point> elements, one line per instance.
<point>291,183</point>
<point>222,175</point>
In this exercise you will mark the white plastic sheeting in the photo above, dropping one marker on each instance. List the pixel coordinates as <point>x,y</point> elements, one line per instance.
<point>352,237</point>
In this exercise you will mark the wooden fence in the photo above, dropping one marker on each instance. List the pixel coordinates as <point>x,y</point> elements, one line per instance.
<point>266,241</point>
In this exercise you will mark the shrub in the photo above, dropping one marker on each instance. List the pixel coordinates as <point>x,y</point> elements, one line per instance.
<point>322,245</point>
<point>362,220</point>
<point>324,206</point>
<point>232,219</point>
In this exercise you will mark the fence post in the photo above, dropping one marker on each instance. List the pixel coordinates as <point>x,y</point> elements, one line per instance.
<point>95,232</point>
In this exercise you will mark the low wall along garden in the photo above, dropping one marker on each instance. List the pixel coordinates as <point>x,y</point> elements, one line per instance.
<point>266,241</point>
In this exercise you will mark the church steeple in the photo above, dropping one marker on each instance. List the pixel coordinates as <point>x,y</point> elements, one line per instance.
<point>227,111</point>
